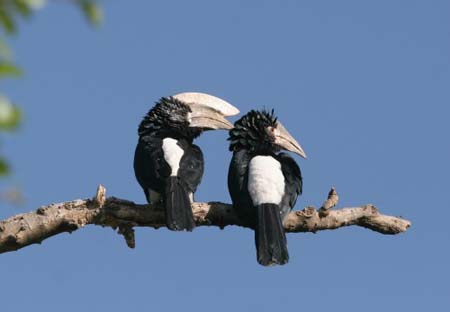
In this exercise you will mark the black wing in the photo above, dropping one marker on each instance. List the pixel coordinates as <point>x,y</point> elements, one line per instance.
<point>293,182</point>
<point>150,167</point>
<point>191,166</point>
<point>237,186</point>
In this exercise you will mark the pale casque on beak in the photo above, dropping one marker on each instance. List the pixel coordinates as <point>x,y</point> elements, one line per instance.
<point>208,111</point>
<point>285,140</point>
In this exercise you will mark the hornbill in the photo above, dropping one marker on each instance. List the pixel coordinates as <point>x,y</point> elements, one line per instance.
<point>167,165</point>
<point>263,183</point>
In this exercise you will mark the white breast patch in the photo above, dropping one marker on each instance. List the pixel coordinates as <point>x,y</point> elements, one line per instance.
<point>172,154</point>
<point>265,180</point>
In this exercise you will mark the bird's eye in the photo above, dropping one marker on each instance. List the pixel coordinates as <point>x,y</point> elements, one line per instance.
<point>271,132</point>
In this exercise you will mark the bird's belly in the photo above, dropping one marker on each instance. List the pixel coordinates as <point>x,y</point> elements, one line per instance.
<point>172,154</point>
<point>265,180</point>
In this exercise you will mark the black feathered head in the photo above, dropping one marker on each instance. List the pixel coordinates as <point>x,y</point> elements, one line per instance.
<point>260,132</point>
<point>168,113</point>
<point>187,115</point>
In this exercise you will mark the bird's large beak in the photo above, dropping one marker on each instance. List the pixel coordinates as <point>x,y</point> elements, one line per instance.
<point>208,100</point>
<point>284,139</point>
<point>208,118</point>
<point>208,111</point>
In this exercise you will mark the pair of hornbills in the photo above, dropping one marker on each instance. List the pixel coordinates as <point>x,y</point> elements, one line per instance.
<point>264,184</point>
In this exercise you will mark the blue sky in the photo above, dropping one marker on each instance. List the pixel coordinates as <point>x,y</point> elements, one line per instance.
<point>363,86</point>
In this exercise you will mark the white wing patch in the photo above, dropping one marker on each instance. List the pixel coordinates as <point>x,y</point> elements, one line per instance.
<point>172,154</point>
<point>265,180</point>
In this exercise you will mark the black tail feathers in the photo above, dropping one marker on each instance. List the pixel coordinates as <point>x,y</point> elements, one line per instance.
<point>179,216</point>
<point>271,244</point>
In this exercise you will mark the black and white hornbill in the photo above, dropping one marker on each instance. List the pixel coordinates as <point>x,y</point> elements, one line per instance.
<point>263,183</point>
<point>167,165</point>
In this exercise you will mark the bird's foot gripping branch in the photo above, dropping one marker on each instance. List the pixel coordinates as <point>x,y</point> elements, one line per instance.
<point>34,227</point>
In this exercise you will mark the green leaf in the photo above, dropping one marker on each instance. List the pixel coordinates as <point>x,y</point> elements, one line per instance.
<point>10,115</point>
<point>9,70</point>
<point>5,51</point>
<point>7,22</point>
<point>23,7</point>
<point>35,4</point>
<point>4,168</point>
<point>92,11</point>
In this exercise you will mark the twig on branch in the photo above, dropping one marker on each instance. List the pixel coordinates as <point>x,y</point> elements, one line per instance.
<point>34,227</point>
<point>331,202</point>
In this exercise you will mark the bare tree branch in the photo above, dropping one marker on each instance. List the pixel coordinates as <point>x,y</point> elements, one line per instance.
<point>32,228</point>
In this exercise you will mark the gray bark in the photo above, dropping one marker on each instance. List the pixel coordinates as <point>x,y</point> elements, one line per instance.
<point>34,227</point>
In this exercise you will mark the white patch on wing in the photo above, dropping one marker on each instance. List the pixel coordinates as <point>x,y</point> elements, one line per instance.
<point>172,154</point>
<point>265,180</point>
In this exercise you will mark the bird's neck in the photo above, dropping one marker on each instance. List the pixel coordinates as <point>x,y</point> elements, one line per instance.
<point>187,135</point>
<point>253,152</point>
